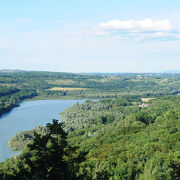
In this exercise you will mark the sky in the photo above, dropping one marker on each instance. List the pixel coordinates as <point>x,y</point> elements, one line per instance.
<point>90,35</point>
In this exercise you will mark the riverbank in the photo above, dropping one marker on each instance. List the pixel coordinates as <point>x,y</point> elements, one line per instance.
<point>36,98</point>
<point>27,116</point>
<point>56,98</point>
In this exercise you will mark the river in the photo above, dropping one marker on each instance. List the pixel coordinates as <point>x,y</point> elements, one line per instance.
<point>26,117</point>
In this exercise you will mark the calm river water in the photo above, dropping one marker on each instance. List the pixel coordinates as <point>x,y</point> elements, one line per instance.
<point>26,117</point>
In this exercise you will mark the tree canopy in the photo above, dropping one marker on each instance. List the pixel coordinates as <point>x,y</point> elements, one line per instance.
<point>49,156</point>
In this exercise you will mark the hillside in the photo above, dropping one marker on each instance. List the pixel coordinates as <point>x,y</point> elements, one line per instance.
<point>125,141</point>
<point>16,86</point>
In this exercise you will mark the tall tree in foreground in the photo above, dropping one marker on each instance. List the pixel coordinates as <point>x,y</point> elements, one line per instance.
<point>48,157</point>
<point>52,157</point>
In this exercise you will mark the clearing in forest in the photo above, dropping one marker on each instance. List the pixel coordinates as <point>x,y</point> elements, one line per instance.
<point>146,99</point>
<point>65,89</point>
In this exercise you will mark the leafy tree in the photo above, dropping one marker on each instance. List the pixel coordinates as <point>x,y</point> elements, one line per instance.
<point>52,157</point>
<point>49,156</point>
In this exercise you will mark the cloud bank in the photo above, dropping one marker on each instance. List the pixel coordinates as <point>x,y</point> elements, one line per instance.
<point>144,29</point>
<point>138,26</point>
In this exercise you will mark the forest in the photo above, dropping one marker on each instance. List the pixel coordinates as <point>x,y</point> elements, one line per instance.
<point>128,129</point>
<point>115,139</point>
<point>16,86</point>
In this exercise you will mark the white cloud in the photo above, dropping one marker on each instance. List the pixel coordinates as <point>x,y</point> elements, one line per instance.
<point>137,26</point>
<point>137,30</point>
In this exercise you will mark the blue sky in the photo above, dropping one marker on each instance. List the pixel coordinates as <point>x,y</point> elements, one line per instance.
<point>90,35</point>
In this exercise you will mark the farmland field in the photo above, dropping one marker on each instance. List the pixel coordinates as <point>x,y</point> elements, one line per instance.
<point>65,89</point>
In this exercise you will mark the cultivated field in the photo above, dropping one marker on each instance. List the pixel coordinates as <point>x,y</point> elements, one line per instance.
<point>146,99</point>
<point>65,89</point>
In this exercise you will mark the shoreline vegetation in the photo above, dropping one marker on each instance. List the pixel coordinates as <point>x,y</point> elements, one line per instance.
<point>55,98</point>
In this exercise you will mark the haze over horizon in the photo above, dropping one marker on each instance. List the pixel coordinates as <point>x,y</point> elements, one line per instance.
<point>90,36</point>
<point>21,70</point>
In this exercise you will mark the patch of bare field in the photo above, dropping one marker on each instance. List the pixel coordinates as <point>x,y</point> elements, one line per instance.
<point>65,89</point>
<point>64,82</point>
<point>146,99</point>
<point>98,80</point>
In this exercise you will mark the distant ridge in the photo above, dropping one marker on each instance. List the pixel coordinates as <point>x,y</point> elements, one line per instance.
<point>11,70</point>
<point>89,73</point>
<point>172,71</point>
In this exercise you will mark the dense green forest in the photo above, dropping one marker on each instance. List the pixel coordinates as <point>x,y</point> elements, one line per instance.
<point>115,138</point>
<point>131,130</point>
<point>16,86</point>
